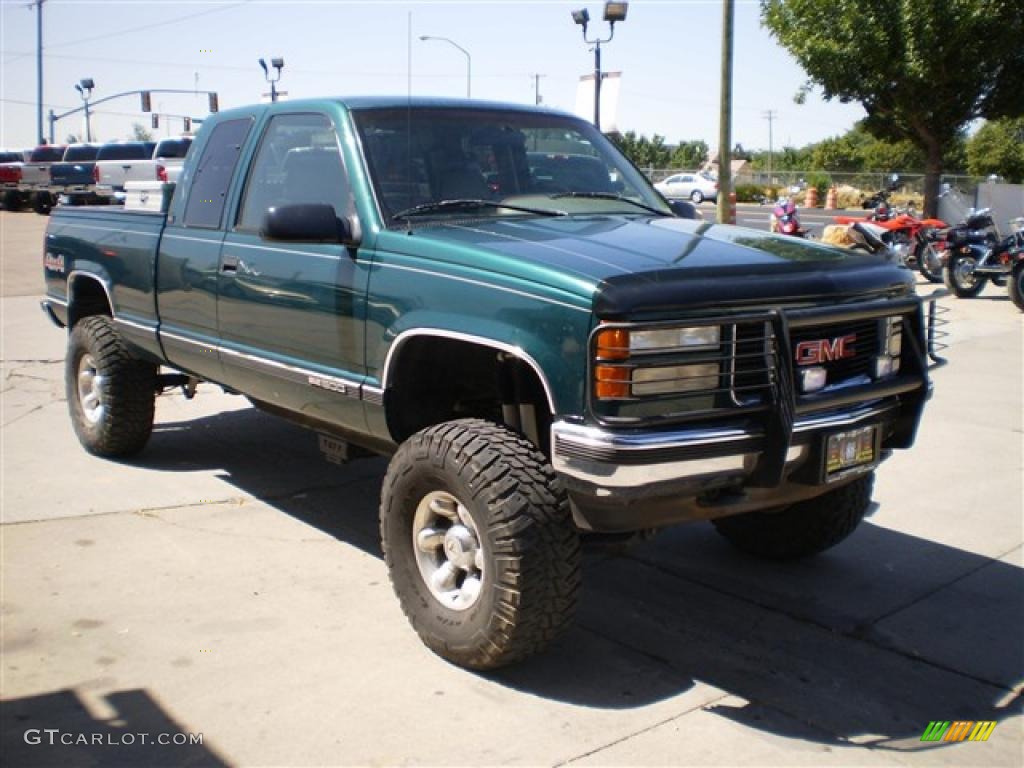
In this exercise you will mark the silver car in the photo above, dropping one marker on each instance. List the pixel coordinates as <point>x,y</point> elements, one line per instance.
<point>695,186</point>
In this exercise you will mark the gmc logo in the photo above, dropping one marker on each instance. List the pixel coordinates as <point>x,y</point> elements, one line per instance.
<point>823,350</point>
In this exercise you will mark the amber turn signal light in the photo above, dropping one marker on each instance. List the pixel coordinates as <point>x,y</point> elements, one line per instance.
<point>611,382</point>
<point>613,344</point>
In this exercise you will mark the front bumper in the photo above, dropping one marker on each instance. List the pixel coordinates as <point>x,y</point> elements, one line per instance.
<point>621,481</point>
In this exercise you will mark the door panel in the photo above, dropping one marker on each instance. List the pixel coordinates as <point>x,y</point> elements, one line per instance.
<point>291,315</point>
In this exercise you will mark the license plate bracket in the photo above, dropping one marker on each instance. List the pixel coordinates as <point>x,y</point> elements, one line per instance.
<point>849,451</point>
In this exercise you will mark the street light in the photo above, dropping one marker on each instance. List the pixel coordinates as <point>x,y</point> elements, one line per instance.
<point>84,88</point>
<point>277,64</point>
<point>613,12</point>
<point>469,60</point>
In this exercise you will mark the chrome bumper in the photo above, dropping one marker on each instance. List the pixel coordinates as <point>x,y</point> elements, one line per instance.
<point>615,460</point>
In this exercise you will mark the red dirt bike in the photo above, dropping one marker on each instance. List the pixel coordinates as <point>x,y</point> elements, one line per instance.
<point>908,237</point>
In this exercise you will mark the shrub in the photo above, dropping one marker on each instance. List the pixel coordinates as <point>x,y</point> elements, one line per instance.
<point>748,193</point>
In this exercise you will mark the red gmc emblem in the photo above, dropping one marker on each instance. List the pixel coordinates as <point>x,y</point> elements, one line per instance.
<point>823,350</point>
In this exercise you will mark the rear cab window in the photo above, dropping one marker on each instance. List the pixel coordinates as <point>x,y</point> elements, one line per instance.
<point>123,152</point>
<point>172,148</point>
<point>213,173</point>
<point>81,154</point>
<point>47,154</point>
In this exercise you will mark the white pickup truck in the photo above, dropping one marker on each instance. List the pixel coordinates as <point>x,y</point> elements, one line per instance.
<point>169,157</point>
<point>121,162</point>
<point>35,175</point>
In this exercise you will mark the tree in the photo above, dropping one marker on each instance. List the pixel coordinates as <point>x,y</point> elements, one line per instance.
<point>922,69</point>
<point>998,147</point>
<point>141,133</point>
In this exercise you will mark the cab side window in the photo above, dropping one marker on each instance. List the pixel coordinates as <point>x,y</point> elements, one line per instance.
<point>298,161</point>
<point>212,178</point>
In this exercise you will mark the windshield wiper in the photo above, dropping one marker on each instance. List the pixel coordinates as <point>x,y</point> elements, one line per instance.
<point>470,204</point>
<point>612,196</point>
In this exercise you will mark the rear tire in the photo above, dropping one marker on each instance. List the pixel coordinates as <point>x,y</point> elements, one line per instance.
<point>13,200</point>
<point>110,393</point>
<point>42,202</point>
<point>479,543</point>
<point>959,275</point>
<point>1016,285</point>
<point>802,529</point>
<point>697,197</point>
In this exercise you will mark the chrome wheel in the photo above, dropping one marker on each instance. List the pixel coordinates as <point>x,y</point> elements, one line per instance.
<point>963,272</point>
<point>448,550</point>
<point>90,389</point>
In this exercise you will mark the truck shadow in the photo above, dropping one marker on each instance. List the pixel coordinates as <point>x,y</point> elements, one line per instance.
<point>57,728</point>
<point>865,644</point>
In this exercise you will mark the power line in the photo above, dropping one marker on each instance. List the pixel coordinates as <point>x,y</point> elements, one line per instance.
<point>140,28</point>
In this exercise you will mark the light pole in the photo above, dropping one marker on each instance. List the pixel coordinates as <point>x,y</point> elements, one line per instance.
<point>612,12</point>
<point>469,59</point>
<point>84,88</point>
<point>277,64</point>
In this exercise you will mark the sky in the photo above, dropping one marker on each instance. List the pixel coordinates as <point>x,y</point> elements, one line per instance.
<point>668,53</point>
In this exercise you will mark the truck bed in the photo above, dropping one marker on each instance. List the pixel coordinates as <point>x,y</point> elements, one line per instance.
<point>117,247</point>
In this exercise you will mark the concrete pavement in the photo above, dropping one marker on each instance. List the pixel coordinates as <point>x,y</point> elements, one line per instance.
<point>228,582</point>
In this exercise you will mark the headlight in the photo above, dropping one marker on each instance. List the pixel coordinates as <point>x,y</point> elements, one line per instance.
<point>620,372</point>
<point>888,363</point>
<point>620,343</point>
<point>674,378</point>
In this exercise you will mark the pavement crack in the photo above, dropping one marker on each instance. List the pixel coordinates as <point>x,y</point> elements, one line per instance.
<point>643,730</point>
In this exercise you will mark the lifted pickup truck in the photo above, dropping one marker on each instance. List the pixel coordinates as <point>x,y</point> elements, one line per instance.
<point>542,358</point>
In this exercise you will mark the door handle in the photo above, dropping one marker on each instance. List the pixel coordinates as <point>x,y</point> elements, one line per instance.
<point>229,264</point>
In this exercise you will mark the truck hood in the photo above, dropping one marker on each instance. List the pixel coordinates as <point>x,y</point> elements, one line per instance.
<point>658,264</point>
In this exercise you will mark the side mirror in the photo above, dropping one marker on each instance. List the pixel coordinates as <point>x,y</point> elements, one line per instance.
<point>684,209</point>
<point>307,223</point>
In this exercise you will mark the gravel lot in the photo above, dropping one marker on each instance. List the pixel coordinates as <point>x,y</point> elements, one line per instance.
<point>228,582</point>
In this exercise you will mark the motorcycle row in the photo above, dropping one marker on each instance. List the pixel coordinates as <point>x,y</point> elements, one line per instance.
<point>964,256</point>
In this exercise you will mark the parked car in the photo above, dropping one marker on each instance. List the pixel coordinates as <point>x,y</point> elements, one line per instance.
<point>122,161</point>
<point>539,365</point>
<point>73,176</point>
<point>35,176</point>
<point>11,163</point>
<point>695,186</point>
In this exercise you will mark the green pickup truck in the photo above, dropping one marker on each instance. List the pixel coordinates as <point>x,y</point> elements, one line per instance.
<point>494,297</point>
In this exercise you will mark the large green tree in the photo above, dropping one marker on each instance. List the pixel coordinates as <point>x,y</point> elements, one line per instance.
<point>922,69</point>
<point>998,147</point>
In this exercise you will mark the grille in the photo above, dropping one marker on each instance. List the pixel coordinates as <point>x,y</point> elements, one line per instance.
<point>754,363</point>
<point>865,348</point>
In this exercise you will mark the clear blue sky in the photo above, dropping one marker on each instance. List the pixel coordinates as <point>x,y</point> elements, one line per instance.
<point>668,53</point>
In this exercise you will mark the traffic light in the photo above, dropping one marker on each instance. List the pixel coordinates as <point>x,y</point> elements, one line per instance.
<point>156,120</point>
<point>188,124</point>
<point>214,106</point>
<point>146,106</point>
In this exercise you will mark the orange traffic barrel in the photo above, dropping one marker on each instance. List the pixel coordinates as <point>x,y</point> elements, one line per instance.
<point>732,207</point>
<point>811,201</point>
<point>830,199</point>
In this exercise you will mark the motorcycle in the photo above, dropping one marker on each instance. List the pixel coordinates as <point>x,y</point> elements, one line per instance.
<point>784,219</point>
<point>1016,280</point>
<point>977,228</point>
<point>907,235</point>
<point>974,258</point>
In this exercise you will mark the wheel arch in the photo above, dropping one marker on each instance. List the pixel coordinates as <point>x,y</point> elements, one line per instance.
<point>88,294</point>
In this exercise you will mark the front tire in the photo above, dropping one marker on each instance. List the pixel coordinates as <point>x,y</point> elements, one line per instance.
<point>1016,285</point>
<point>802,529</point>
<point>110,393</point>
<point>479,543</point>
<point>929,262</point>
<point>960,277</point>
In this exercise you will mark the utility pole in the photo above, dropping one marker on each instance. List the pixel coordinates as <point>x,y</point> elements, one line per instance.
<point>39,69</point>
<point>536,88</point>
<point>725,115</point>
<point>770,115</point>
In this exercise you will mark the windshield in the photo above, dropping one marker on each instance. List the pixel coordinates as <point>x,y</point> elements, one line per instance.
<point>422,156</point>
